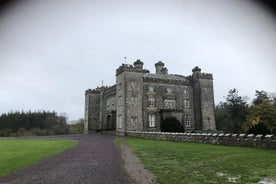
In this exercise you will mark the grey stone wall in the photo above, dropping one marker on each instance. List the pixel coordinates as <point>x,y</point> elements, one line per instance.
<point>160,94</point>
<point>133,99</point>
<point>92,110</point>
<point>250,140</point>
<point>129,96</point>
<point>127,102</point>
<point>204,100</point>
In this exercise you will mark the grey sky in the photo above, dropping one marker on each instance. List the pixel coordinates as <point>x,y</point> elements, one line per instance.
<point>52,51</point>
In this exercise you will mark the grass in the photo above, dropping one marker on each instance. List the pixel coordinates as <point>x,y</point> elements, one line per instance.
<point>17,154</point>
<point>178,162</point>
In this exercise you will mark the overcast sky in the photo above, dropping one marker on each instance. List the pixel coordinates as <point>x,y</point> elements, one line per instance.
<point>52,51</point>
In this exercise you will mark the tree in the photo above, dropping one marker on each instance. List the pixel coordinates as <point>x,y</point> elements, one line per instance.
<point>263,113</point>
<point>171,124</point>
<point>35,123</point>
<point>260,97</point>
<point>231,114</point>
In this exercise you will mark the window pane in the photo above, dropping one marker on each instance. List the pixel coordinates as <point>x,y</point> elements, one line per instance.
<point>151,89</point>
<point>151,120</point>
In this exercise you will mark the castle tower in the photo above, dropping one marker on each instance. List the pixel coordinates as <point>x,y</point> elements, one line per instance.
<point>129,95</point>
<point>92,110</point>
<point>203,100</point>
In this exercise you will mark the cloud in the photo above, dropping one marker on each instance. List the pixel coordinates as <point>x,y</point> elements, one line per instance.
<point>51,52</point>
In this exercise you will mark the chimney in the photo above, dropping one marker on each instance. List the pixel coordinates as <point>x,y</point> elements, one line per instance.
<point>159,67</point>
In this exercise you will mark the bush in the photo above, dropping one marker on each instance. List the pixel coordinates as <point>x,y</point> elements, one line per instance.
<point>77,128</point>
<point>171,124</point>
<point>259,128</point>
<point>5,133</point>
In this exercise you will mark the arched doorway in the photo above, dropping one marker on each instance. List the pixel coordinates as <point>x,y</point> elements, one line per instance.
<point>108,122</point>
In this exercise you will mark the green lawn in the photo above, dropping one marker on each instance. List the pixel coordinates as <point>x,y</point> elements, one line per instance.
<point>17,154</point>
<point>178,162</point>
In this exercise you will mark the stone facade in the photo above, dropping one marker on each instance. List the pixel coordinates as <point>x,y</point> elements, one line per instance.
<point>140,100</point>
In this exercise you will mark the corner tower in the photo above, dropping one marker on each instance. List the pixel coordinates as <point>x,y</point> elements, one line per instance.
<point>203,100</point>
<point>92,110</point>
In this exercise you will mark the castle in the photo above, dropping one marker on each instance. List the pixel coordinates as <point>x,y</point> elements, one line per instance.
<point>140,100</point>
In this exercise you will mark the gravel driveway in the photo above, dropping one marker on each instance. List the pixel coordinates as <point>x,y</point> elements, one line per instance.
<point>94,160</point>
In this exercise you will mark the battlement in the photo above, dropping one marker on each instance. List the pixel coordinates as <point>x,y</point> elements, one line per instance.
<point>206,76</point>
<point>93,91</point>
<point>110,91</point>
<point>131,68</point>
<point>166,79</point>
<point>198,75</point>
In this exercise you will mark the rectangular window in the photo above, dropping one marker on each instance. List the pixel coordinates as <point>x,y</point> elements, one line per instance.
<point>187,120</point>
<point>120,101</point>
<point>151,89</point>
<point>151,102</point>
<point>152,120</point>
<point>120,86</point>
<point>169,90</point>
<point>186,103</point>
<point>169,104</point>
<point>134,120</point>
<point>120,125</point>
<point>185,91</point>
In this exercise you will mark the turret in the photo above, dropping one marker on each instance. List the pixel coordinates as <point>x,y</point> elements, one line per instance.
<point>159,68</point>
<point>138,64</point>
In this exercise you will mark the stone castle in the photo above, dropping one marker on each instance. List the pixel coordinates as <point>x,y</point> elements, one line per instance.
<point>140,100</point>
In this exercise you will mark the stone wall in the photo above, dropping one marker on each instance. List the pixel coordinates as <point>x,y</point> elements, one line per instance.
<point>250,140</point>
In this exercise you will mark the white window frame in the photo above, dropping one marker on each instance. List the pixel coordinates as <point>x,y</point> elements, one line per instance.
<point>151,89</point>
<point>151,120</point>
<point>185,91</point>
<point>186,103</point>
<point>187,120</point>
<point>151,101</point>
<point>120,125</point>
<point>169,104</point>
<point>169,90</point>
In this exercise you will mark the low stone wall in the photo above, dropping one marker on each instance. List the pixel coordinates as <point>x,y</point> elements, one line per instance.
<point>250,140</point>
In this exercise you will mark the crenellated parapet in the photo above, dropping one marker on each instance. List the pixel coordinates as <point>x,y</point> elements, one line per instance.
<point>93,91</point>
<point>110,91</point>
<point>136,67</point>
<point>206,76</point>
<point>198,75</point>
<point>166,80</point>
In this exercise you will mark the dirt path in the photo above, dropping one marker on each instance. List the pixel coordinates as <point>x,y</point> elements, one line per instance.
<point>134,167</point>
<point>95,160</point>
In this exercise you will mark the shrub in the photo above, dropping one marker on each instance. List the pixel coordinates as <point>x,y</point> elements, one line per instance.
<point>259,128</point>
<point>171,124</point>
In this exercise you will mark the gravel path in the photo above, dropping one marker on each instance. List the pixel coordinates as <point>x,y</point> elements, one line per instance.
<point>94,160</point>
